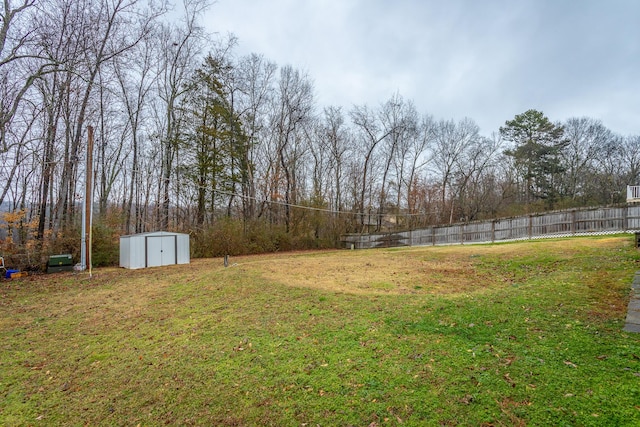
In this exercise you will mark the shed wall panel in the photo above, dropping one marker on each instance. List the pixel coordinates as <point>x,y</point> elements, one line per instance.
<point>184,251</point>
<point>169,250</point>
<point>153,253</point>
<point>137,248</point>
<point>125,253</point>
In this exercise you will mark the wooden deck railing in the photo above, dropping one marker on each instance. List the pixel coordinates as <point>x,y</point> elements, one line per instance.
<point>633,193</point>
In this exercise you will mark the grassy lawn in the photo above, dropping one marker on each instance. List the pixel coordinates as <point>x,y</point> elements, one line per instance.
<point>497,335</point>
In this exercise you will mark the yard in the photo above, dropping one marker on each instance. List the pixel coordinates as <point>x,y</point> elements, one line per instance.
<point>508,334</point>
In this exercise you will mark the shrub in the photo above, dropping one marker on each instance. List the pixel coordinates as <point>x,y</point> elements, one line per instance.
<point>105,246</point>
<point>233,237</point>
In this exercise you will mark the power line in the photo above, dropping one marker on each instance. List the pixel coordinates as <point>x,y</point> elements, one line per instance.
<point>311,208</point>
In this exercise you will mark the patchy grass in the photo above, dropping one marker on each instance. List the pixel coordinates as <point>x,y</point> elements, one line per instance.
<point>379,272</point>
<point>509,334</point>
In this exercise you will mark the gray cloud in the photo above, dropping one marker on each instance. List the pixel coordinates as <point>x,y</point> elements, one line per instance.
<point>485,60</point>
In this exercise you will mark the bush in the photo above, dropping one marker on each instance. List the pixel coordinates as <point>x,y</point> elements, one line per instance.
<point>105,246</point>
<point>223,238</point>
<point>233,237</point>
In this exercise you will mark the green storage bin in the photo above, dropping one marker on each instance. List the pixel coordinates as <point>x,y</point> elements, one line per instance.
<point>59,263</point>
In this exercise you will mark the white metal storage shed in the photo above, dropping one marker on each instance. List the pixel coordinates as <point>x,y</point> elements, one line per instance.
<point>154,249</point>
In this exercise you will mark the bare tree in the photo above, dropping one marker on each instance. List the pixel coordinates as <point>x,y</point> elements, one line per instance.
<point>109,143</point>
<point>630,159</point>
<point>21,63</point>
<point>586,141</point>
<point>293,110</point>
<point>53,92</point>
<point>181,47</point>
<point>400,121</point>
<point>474,177</point>
<point>413,156</point>
<point>135,81</point>
<point>452,140</point>
<point>336,139</point>
<point>611,173</point>
<point>369,133</point>
<point>95,32</point>
<point>255,78</point>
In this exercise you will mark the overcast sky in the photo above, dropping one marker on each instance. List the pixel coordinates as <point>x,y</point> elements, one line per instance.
<point>488,60</point>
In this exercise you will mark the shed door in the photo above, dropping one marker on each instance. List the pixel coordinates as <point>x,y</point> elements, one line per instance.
<point>161,250</point>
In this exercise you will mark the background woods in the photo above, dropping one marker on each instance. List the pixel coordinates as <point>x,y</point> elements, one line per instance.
<point>236,150</point>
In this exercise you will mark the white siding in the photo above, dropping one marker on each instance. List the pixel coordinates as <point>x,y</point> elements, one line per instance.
<point>137,252</point>
<point>183,256</point>
<point>125,252</point>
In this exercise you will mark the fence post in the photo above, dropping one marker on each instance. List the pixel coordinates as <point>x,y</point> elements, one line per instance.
<point>599,219</point>
<point>493,231</point>
<point>625,218</point>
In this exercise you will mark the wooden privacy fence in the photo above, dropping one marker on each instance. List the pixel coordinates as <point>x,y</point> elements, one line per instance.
<point>609,220</point>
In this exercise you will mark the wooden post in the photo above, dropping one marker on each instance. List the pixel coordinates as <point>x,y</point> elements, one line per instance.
<point>493,231</point>
<point>88,198</point>
<point>625,218</point>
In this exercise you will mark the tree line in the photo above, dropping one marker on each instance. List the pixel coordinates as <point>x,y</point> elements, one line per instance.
<point>236,151</point>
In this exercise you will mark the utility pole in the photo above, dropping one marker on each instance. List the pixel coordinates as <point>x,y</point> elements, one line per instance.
<point>87,212</point>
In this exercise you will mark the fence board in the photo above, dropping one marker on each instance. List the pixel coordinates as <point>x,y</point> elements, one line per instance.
<point>602,220</point>
<point>633,218</point>
<point>478,232</point>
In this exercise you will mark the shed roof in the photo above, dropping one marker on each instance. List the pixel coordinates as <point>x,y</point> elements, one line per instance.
<point>156,233</point>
